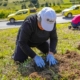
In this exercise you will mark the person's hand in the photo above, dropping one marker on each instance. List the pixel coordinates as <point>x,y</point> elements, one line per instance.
<point>39,61</point>
<point>50,58</point>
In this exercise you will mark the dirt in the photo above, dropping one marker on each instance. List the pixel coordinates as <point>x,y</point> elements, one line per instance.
<point>67,68</point>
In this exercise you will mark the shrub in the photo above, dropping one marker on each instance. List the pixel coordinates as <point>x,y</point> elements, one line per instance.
<point>46,4</point>
<point>42,5</point>
<point>6,0</point>
<point>31,5</point>
<point>2,15</point>
<point>23,6</point>
<point>0,4</point>
<point>49,4</point>
<point>34,1</point>
<point>21,1</point>
<point>58,11</point>
<point>5,4</point>
<point>5,13</point>
<point>37,5</point>
<point>53,4</point>
<point>14,2</point>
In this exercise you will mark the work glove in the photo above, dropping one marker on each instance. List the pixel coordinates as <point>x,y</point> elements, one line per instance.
<point>50,59</point>
<point>39,61</point>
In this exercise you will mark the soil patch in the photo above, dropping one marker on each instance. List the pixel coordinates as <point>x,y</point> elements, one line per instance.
<point>67,68</point>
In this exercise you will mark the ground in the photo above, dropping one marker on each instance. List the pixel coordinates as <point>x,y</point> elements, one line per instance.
<point>67,68</point>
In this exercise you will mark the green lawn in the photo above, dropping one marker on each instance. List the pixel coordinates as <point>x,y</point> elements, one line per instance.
<point>66,1</point>
<point>67,40</point>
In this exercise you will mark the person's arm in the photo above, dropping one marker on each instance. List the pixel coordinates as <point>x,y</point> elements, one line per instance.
<point>53,40</point>
<point>25,33</point>
<point>24,36</point>
<point>53,43</point>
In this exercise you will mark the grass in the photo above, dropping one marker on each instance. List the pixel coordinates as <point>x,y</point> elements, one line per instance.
<point>67,40</point>
<point>66,1</point>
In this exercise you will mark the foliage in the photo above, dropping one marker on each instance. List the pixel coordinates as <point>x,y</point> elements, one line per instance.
<point>5,4</point>
<point>31,5</point>
<point>4,14</point>
<point>37,5</point>
<point>34,1</point>
<point>6,0</point>
<point>46,4</point>
<point>23,6</point>
<point>58,11</point>
<point>0,4</point>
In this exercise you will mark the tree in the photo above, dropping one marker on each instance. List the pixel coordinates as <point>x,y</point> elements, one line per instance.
<point>37,5</point>
<point>34,1</point>
<point>78,0</point>
<point>6,0</point>
<point>53,4</point>
<point>31,5</point>
<point>46,4</point>
<point>58,1</point>
<point>23,6</point>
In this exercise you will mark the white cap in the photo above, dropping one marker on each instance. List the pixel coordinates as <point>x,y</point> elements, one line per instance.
<point>48,18</point>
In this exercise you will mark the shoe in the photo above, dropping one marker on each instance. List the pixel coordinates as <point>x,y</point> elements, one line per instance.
<point>79,27</point>
<point>16,62</point>
<point>69,27</point>
<point>12,56</point>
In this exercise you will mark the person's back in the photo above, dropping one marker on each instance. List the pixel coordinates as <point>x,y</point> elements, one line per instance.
<point>76,19</point>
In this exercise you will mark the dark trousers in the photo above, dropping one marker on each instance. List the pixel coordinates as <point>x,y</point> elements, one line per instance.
<point>75,25</point>
<point>20,56</point>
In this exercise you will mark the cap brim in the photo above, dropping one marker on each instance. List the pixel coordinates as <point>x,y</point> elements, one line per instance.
<point>47,26</point>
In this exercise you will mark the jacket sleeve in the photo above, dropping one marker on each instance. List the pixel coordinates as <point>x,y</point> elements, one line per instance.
<point>24,35</point>
<point>53,40</point>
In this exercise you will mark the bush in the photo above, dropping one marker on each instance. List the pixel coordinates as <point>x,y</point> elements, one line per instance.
<point>21,1</point>
<point>23,6</point>
<point>37,5</point>
<point>0,4</point>
<point>34,1</point>
<point>5,4</point>
<point>58,11</point>
<point>6,0</point>
<point>2,15</point>
<point>49,4</point>
<point>5,13</point>
<point>31,5</point>
<point>42,5</point>
<point>53,4</point>
<point>46,4</point>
